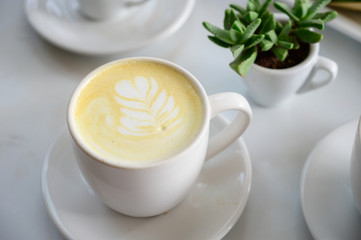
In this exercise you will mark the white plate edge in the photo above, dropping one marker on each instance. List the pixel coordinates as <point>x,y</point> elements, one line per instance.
<point>177,23</point>
<point>218,235</point>
<point>305,171</point>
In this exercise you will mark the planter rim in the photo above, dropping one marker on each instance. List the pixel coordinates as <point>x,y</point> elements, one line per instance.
<point>314,49</point>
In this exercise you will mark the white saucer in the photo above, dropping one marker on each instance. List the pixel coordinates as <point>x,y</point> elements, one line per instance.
<point>216,202</point>
<point>59,22</point>
<point>326,195</point>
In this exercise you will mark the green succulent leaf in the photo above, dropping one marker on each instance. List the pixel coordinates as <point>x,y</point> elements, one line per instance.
<point>271,36</point>
<point>235,35</point>
<point>219,42</point>
<point>254,40</point>
<point>251,6</point>
<point>280,52</point>
<point>229,18</point>
<point>244,61</point>
<point>293,40</point>
<point>219,33</point>
<point>266,45</point>
<point>258,3</point>
<point>238,8</point>
<point>326,16</point>
<point>316,6</point>
<point>279,26</point>
<point>264,7</point>
<point>264,16</point>
<point>239,26</point>
<point>251,16</point>
<point>226,20</point>
<point>312,23</point>
<point>283,7</point>
<point>251,28</point>
<point>308,36</point>
<point>285,44</point>
<point>269,24</point>
<point>286,29</point>
<point>300,8</point>
<point>237,50</point>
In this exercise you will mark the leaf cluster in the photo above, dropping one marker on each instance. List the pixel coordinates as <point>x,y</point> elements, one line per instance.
<point>305,15</point>
<point>254,28</point>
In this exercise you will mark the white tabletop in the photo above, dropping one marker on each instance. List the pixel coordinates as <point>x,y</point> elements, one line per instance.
<point>36,80</point>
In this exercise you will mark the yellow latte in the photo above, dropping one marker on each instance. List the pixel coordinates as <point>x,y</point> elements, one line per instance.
<point>138,111</point>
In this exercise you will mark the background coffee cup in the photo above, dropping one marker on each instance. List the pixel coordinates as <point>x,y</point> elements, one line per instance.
<point>355,171</point>
<point>270,87</point>
<point>152,189</point>
<point>106,9</point>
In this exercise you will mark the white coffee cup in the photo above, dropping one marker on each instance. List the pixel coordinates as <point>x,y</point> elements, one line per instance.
<point>105,9</point>
<point>355,171</point>
<point>155,188</point>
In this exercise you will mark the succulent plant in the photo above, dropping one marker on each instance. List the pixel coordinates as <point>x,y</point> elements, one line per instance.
<point>246,31</point>
<point>305,16</point>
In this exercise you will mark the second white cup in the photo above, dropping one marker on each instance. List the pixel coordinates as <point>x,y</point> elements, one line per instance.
<point>99,10</point>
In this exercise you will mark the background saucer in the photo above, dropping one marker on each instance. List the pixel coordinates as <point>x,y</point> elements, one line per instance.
<point>59,22</point>
<point>213,207</point>
<point>326,195</point>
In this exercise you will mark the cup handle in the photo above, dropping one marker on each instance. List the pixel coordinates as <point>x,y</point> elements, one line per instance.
<point>228,101</point>
<point>321,64</point>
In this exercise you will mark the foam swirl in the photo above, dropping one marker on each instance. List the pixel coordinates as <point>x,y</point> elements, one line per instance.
<point>138,112</point>
<point>146,109</point>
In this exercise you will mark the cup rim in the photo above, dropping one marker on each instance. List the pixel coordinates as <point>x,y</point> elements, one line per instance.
<point>123,165</point>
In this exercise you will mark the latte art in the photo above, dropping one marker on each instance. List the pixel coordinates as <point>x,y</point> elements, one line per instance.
<point>146,108</point>
<point>138,112</point>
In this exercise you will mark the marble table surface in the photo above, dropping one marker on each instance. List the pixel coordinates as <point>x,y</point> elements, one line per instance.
<point>37,79</point>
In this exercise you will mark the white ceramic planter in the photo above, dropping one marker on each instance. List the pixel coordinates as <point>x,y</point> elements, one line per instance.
<point>270,87</point>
